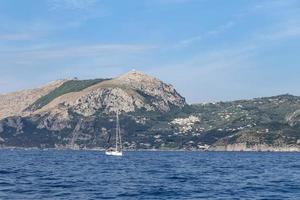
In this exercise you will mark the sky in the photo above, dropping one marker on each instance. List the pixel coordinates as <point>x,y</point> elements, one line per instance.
<point>209,50</point>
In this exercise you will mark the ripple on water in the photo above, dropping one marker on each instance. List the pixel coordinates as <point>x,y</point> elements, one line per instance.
<point>54,174</point>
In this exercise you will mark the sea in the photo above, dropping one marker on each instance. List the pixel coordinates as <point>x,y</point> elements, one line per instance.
<point>70,174</point>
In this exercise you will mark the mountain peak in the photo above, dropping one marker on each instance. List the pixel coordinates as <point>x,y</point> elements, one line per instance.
<point>136,72</point>
<point>135,75</point>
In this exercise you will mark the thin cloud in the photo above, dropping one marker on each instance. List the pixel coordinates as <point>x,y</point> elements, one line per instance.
<point>168,2</point>
<point>274,4</point>
<point>79,12</point>
<point>285,32</point>
<point>17,37</point>
<point>36,53</point>
<point>72,4</point>
<point>191,40</point>
<point>204,73</point>
<point>229,56</point>
<point>219,30</point>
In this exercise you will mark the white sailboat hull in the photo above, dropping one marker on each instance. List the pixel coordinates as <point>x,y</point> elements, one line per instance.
<point>114,153</point>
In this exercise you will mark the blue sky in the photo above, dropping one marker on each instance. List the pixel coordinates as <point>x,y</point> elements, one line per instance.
<point>210,50</point>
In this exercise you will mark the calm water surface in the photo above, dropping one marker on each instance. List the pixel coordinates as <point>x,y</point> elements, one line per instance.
<point>52,174</point>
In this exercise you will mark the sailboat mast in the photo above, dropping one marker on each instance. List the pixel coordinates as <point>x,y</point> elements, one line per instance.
<point>120,139</point>
<point>117,129</point>
<point>118,150</point>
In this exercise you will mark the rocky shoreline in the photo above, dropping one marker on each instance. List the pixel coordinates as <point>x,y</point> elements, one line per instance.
<point>256,148</point>
<point>228,148</point>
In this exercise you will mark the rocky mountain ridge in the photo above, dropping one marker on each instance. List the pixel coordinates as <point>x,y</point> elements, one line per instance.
<point>80,114</point>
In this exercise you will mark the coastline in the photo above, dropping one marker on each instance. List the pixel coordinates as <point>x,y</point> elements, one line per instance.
<point>256,148</point>
<point>228,148</point>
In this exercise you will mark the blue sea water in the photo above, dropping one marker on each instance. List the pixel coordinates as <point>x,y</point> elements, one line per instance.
<point>53,174</point>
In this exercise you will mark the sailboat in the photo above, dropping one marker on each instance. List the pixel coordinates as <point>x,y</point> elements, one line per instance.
<point>117,151</point>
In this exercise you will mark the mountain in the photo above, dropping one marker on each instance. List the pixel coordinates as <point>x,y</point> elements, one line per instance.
<point>80,113</point>
<point>76,113</point>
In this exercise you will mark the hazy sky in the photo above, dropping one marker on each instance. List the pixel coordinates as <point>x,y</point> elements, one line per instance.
<point>210,50</point>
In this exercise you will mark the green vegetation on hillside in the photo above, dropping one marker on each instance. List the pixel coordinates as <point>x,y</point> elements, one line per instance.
<point>261,120</point>
<point>67,87</point>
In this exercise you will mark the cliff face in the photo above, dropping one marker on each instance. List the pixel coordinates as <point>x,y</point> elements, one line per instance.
<point>127,93</point>
<point>81,114</point>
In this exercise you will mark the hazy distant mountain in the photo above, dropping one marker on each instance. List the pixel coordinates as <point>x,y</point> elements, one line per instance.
<point>80,114</point>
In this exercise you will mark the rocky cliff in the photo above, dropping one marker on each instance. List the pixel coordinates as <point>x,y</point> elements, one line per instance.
<point>72,112</point>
